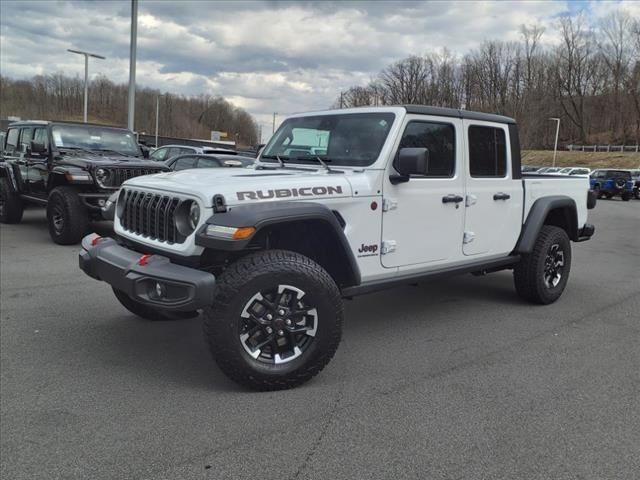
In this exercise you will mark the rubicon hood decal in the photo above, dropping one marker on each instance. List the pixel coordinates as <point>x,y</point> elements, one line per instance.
<point>289,192</point>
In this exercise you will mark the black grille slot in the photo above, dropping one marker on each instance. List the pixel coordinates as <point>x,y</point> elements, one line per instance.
<point>150,215</point>
<point>118,175</point>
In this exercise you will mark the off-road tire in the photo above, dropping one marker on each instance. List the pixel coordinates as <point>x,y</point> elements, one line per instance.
<point>12,207</point>
<point>529,273</point>
<point>597,191</point>
<point>238,284</point>
<point>626,196</point>
<point>147,312</point>
<point>65,206</point>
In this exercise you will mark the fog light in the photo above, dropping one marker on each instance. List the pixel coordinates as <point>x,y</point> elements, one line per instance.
<point>101,203</point>
<point>160,290</point>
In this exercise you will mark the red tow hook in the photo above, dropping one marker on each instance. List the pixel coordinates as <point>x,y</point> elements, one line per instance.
<point>144,259</point>
<point>95,240</point>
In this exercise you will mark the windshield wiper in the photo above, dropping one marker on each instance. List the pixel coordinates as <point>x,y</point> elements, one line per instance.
<point>322,162</point>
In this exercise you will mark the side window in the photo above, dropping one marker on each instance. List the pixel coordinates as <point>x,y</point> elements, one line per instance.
<point>25,138</point>
<point>487,152</point>
<point>159,155</point>
<point>439,139</point>
<point>184,163</point>
<point>184,151</point>
<point>204,162</point>
<point>12,140</point>
<point>40,136</point>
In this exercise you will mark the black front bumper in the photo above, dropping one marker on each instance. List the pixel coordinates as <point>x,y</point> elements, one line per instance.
<point>152,280</point>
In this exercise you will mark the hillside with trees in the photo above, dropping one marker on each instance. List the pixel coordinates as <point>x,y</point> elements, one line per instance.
<point>59,97</point>
<point>590,79</point>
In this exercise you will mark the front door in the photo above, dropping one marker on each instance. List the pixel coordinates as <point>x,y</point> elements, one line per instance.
<point>37,163</point>
<point>423,218</point>
<point>493,211</point>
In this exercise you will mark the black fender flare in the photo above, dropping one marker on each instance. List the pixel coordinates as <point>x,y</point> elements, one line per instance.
<point>6,171</point>
<point>537,216</point>
<point>267,214</point>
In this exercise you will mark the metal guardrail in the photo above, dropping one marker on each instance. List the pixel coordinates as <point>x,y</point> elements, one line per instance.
<point>603,148</point>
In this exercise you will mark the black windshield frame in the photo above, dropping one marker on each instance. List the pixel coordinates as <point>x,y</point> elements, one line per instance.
<point>344,139</point>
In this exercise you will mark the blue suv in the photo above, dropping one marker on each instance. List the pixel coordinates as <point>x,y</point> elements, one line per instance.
<point>609,183</point>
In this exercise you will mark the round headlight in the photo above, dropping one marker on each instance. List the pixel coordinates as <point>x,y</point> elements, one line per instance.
<point>102,174</point>
<point>194,215</point>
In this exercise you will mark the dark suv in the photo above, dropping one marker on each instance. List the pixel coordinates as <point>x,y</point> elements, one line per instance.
<point>71,168</point>
<point>609,183</point>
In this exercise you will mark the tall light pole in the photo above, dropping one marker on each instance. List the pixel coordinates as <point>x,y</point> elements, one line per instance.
<point>86,74</point>
<point>555,148</point>
<point>132,66</point>
<point>273,126</point>
<point>157,116</point>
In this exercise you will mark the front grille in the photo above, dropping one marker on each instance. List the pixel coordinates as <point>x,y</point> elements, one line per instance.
<point>150,215</point>
<point>119,174</point>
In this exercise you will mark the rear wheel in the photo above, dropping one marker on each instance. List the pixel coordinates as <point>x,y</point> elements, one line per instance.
<point>11,207</point>
<point>541,276</point>
<point>67,216</point>
<point>147,312</point>
<point>276,320</point>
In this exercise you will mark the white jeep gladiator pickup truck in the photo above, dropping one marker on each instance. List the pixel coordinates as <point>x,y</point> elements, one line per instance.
<point>339,203</point>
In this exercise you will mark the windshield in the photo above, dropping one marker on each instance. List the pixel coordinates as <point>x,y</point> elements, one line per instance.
<point>353,139</point>
<point>90,137</point>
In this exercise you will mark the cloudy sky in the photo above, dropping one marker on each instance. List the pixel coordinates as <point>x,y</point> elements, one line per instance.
<point>264,56</point>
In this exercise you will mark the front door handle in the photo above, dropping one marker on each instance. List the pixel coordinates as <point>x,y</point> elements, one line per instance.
<point>451,198</point>
<point>501,196</point>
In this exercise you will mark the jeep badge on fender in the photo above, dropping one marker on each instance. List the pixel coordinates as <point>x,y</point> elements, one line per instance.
<point>269,270</point>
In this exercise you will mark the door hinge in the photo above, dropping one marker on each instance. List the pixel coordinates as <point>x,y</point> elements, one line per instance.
<point>468,237</point>
<point>388,246</point>
<point>471,200</point>
<point>389,204</point>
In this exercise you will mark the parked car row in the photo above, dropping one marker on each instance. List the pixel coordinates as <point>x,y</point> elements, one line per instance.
<point>580,171</point>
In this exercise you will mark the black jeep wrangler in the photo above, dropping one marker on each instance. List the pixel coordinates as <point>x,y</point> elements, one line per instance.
<point>71,168</point>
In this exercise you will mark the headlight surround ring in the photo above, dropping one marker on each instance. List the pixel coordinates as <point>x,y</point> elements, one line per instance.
<point>187,217</point>
<point>102,175</point>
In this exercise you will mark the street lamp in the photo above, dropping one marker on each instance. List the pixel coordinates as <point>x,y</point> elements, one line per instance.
<point>86,74</point>
<point>555,148</point>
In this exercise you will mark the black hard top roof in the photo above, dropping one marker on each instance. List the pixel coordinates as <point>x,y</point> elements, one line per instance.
<point>24,123</point>
<point>456,113</point>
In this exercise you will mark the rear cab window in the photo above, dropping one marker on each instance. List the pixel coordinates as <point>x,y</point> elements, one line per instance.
<point>487,152</point>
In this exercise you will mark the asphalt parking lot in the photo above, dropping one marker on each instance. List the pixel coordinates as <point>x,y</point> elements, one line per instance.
<point>457,379</point>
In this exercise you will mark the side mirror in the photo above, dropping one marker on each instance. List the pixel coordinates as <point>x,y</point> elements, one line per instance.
<point>38,148</point>
<point>410,161</point>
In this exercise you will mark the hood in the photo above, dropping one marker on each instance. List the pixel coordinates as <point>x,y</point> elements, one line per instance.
<point>241,186</point>
<point>89,160</point>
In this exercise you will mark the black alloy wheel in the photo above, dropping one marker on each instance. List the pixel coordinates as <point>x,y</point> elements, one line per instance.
<point>278,325</point>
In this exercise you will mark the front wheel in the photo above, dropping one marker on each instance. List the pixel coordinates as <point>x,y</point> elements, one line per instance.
<point>11,207</point>
<point>67,216</point>
<point>626,196</point>
<point>541,276</point>
<point>276,320</point>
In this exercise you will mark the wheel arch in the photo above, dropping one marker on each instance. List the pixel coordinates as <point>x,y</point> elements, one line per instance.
<point>307,228</point>
<point>556,210</point>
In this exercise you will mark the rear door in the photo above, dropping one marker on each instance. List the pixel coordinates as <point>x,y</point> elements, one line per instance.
<point>494,199</point>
